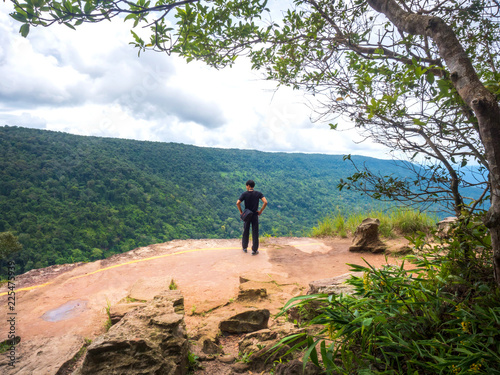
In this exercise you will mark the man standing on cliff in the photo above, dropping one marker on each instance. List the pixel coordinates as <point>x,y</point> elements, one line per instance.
<point>251,198</point>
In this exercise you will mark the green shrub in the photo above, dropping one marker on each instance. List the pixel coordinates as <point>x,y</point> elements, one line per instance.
<point>173,285</point>
<point>193,363</point>
<point>430,316</point>
<point>5,346</point>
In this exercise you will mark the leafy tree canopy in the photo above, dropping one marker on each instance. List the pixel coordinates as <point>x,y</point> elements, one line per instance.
<point>9,244</point>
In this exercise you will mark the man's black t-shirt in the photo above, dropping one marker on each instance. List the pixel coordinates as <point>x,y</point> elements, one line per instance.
<point>251,199</point>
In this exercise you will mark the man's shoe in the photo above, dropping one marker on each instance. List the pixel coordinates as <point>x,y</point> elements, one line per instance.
<point>255,252</point>
<point>245,250</point>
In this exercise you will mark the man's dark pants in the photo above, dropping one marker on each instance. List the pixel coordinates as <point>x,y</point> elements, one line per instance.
<point>255,233</point>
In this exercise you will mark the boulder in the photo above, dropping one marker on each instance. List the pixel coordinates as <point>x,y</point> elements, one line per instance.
<point>445,226</point>
<point>209,346</point>
<point>42,355</point>
<point>248,321</point>
<point>147,340</point>
<point>366,237</point>
<point>333,285</point>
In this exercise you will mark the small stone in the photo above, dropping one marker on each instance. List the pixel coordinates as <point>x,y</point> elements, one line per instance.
<point>226,358</point>
<point>252,294</point>
<point>209,347</point>
<point>248,321</point>
<point>240,367</point>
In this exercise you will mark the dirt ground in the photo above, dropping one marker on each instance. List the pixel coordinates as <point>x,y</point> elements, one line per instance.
<point>67,302</point>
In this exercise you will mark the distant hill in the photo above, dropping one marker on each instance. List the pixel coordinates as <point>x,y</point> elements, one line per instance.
<point>72,198</point>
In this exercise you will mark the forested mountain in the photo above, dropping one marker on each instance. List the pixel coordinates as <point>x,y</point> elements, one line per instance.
<point>71,198</point>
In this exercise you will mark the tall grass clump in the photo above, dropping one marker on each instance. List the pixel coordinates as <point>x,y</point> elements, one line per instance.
<point>408,222</point>
<point>393,223</point>
<point>108,323</point>
<point>428,316</point>
<point>331,226</point>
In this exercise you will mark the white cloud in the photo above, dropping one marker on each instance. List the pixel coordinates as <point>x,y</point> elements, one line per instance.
<point>25,120</point>
<point>92,82</point>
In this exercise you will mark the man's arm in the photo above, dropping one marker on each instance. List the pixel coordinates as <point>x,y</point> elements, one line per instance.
<point>264,201</point>
<point>238,203</point>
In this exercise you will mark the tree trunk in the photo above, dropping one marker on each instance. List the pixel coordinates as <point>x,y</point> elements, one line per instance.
<point>472,91</point>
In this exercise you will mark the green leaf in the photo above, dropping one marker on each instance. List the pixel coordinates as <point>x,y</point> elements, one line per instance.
<point>380,319</point>
<point>463,350</point>
<point>325,356</point>
<point>130,16</point>
<point>18,17</point>
<point>88,8</point>
<point>69,25</point>
<point>367,322</point>
<point>24,30</point>
<point>430,78</point>
<point>311,353</point>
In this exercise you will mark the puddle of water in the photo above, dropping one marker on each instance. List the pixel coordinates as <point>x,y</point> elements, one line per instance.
<point>67,311</point>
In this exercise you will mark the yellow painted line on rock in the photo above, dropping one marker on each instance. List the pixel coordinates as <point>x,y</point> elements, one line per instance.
<point>151,258</point>
<point>122,264</point>
<point>28,288</point>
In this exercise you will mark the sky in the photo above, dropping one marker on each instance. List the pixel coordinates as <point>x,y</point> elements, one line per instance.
<point>92,82</point>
